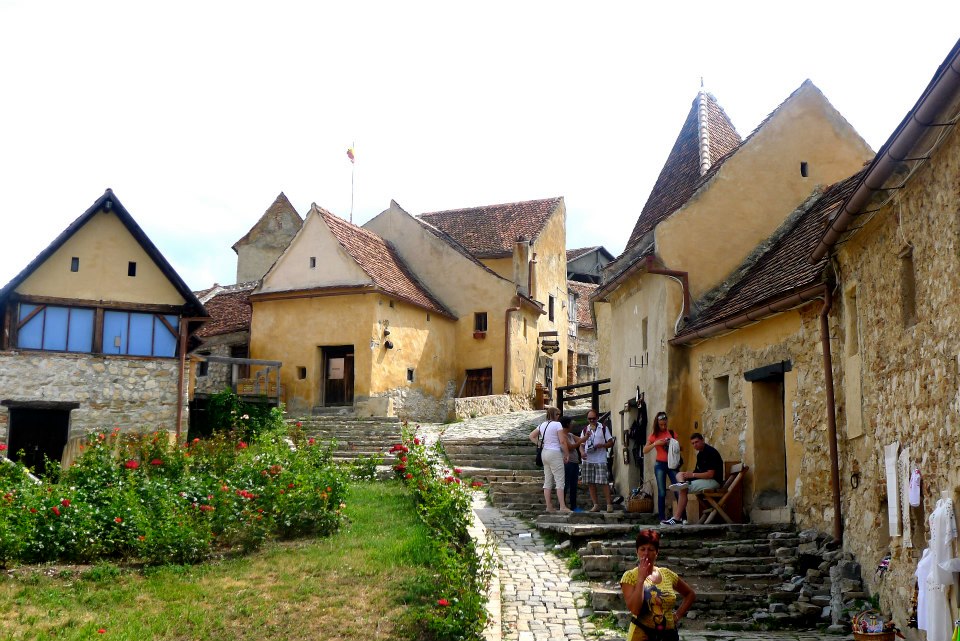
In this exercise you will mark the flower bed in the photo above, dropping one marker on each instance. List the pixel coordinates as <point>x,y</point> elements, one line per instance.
<point>457,608</point>
<point>141,497</point>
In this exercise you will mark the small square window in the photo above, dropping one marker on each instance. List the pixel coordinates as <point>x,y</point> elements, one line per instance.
<point>131,268</point>
<point>75,264</point>
<point>391,304</point>
<point>313,262</point>
<point>301,373</point>
<point>409,374</point>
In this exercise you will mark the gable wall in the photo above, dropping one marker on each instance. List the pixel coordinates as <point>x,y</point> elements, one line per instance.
<point>104,247</point>
<point>333,265</point>
<point>755,189</point>
<point>551,278</point>
<point>909,373</point>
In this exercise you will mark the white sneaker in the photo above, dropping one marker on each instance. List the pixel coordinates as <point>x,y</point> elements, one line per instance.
<point>678,486</point>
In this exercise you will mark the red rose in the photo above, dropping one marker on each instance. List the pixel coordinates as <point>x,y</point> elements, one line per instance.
<point>156,461</point>
<point>408,476</point>
<point>443,603</point>
<point>3,447</point>
<point>65,502</point>
<point>131,465</point>
<point>241,445</point>
<point>457,471</point>
<point>117,519</point>
<point>55,510</point>
<point>416,441</point>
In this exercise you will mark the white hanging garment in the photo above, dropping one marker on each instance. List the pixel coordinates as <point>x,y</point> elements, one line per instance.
<point>903,470</point>
<point>943,532</point>
<point>893,504</point>
<point>915,488</point>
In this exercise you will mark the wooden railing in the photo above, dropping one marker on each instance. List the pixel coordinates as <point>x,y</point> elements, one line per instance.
<point>594,393</point>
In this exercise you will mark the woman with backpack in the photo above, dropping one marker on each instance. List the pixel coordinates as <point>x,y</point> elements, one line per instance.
<point>660,440</point>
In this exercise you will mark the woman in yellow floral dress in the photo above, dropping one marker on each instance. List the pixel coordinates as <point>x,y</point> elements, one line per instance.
<point>651,592</point>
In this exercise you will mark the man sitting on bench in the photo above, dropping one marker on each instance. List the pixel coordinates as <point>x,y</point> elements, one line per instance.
<point>707,475</point>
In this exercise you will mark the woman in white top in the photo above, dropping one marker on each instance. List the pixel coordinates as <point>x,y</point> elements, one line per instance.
<point>555,454</point>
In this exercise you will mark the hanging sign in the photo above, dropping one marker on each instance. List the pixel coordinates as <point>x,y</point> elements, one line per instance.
<point>335,369</point>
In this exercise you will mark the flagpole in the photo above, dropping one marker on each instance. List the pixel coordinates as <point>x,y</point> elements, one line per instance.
<point>353,169</point>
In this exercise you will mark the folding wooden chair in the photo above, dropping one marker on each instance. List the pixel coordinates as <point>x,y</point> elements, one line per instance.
<point>716,499</point>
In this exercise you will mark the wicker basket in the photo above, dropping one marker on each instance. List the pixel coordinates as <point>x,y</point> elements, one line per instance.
<point>875,636</point>
<point>643,505</point>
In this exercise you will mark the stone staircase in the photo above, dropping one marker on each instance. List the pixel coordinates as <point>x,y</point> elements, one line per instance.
<point>506,466</point>
<point>354,437</point>
<point>733,569</point>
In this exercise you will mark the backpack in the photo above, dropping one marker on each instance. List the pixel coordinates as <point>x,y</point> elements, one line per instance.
<point>674,458</point>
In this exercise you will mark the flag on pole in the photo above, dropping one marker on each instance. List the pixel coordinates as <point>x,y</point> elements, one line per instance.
<point>350,154</point>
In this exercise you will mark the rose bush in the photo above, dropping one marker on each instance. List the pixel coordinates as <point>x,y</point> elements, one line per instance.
<point>141,496</point>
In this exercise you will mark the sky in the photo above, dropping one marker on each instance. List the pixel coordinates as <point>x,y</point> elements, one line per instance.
<point>198,114</point>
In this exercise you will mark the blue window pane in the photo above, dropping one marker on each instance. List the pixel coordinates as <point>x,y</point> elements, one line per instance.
<point>81,331</point>
<point>55,328</point>
<point>164,343</point>
<point>141,334</point>
<point>30,336</point>
<point>115,332</point>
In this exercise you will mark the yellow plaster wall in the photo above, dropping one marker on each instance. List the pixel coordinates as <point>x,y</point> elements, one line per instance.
<point>104,247</point>
<point>756,188</point>
<point>658,299</point>
<point>503,266</point>
<point>551,278</point>
<point>292,330</point>
<point>465,288</point>
<point>333,265</point>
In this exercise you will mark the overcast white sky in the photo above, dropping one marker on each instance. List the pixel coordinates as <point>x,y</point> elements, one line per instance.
<point>198,114</point>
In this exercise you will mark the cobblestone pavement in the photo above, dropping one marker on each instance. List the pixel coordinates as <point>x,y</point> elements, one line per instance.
<point>512,425</point>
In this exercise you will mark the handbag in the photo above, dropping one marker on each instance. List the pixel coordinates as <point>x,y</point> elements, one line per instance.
<point>539,459</point>
<point>674,457</point>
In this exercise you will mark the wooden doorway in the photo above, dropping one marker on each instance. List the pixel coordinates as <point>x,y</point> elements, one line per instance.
<point>37,435</point>
<point>479,382</point>
<point>337,380</point>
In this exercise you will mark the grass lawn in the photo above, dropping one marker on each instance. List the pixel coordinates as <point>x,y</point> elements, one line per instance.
<point>352,585</point>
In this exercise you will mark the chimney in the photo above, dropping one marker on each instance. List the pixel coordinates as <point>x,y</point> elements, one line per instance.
<point>521,260</point>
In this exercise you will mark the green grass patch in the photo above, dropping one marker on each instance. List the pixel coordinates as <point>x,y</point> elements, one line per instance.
<point>355,584</point>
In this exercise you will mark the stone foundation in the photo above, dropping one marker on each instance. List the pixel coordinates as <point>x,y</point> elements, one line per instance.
<point>474,406</point>
<point>111,391</point>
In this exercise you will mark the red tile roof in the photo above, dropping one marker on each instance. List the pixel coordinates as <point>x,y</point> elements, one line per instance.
<point>583,292</point>
<point>229,310</point>
<point>573,254</point>
<point>680,176</point>
<point>382,263</point>
<point>492,230</point>
<point>782,267</point>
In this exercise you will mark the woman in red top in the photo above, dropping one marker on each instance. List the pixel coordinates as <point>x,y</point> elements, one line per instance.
<point>660,440</point>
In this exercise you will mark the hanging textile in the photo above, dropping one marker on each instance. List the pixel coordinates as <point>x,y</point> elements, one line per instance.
<point>893,504</point>
<point>915,488</point>
<point>903,469</point>
<point>933,606</point>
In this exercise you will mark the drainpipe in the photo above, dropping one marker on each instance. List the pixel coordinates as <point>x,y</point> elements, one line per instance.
<point>506,345</point>
<point>684,286</point>
<point>531,278</point>
<point>831,415</point>
<point>183,362</point>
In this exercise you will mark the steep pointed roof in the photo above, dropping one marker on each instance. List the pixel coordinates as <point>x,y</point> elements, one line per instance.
<point>381,262</point>
<point>779,271</point>
<point>280,210</point>
<point>109,202</point>
<point>707,135</point>
<point>490,231</point>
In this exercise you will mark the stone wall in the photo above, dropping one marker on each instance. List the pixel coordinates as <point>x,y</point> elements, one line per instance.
<point>112,391</point>
<point>910,388</point>
<point>219,375</point>
<point>411,403</point>
<point>474,406</point>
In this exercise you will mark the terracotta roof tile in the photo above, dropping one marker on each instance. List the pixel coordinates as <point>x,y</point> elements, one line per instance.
<point>229,310</point>
<point>491,231</point>
<point>382,263</point>
<point>680,176</point>
<point>782,267</point>
<point>583,292</point>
